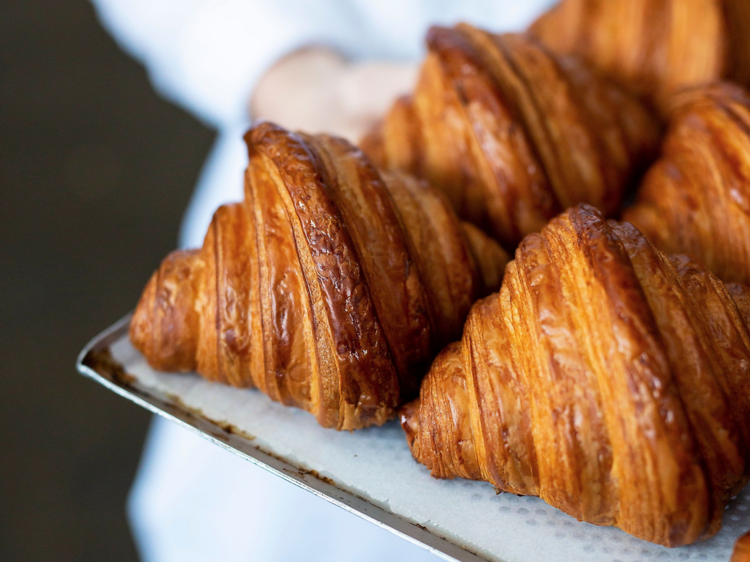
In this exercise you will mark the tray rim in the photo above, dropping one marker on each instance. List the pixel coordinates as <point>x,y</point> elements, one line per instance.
<point>218,434</point>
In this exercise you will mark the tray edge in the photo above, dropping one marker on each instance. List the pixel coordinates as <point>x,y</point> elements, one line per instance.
<point>305,479</point>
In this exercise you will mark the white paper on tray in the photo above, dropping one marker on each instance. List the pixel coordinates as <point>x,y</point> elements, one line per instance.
<point>376,464</point>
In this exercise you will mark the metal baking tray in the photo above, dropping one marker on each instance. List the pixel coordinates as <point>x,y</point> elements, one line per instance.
<point>370,473</point>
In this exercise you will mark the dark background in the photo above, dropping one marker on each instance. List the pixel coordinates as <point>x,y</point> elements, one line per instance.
<point>95,172</point>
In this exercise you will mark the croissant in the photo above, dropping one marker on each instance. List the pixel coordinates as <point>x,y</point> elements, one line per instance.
<point>512,134</point>
<point>696,198</point>
<point>654,46</point>
<point>605,377</point>
<point>742,549</point>
<point>330,287</point>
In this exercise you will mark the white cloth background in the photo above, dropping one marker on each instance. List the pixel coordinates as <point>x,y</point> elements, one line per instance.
<point>193,501</point>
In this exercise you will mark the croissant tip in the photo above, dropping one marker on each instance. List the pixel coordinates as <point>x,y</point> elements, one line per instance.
<point>409,416</point>
<point>164,325</point>
<point>142,320</point>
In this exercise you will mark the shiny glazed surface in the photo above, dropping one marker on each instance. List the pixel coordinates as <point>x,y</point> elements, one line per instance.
<point>330,287</point>
<point>512,134</point>
<point>605,377</point>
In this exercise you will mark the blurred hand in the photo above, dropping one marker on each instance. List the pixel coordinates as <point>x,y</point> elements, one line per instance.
<point>316,90</point>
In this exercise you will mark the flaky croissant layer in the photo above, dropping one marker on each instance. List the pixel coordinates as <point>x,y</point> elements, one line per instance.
<point>605,377</point>
<point>513,134</point>
<point>330,287</point>
<point>654,47</point>
<point>696,198</point>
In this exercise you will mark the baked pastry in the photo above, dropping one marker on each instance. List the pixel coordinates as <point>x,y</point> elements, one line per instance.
<point>512,134</point>
<point>742,549</point>
<point>696,197</point>
<point>654,46</point>
<point>330,287</point>
<point>605,377</point>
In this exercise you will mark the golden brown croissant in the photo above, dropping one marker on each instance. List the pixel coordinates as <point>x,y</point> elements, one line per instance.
<point>654,46</point>
<point>696,197</point>
<point>512,134</point>
<point>330,287</point>
<point>742,549</point>
<point>605,377</point>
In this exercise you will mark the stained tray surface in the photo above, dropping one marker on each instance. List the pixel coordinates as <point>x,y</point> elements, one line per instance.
<point>371,472</point>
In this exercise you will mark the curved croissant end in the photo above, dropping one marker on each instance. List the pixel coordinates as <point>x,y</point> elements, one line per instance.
<point>511,134</point>
<point>330,287</point>
<point>653,46</point>
<point>605,377</point>
<point>742,549</point>
<point>696,198</point>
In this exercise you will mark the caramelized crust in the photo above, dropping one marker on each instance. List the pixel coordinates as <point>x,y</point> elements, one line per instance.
<point>511,134</point>
<point>653,46</point>
<point>330,287</point>
<point>696,198</point>
<point>605,377</point>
